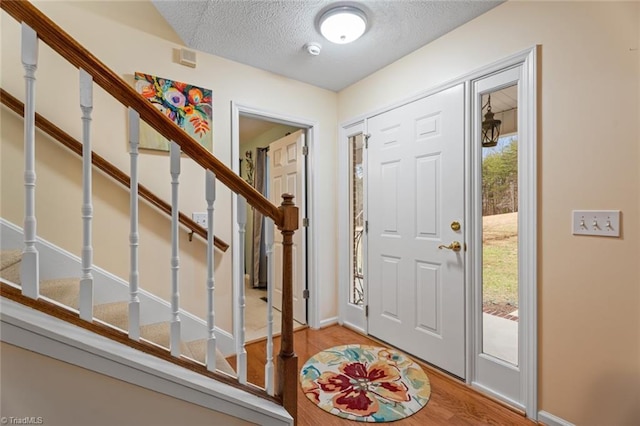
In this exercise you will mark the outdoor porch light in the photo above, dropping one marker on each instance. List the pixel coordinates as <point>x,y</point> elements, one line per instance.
<point>490,127</point>
<point>343,24</point>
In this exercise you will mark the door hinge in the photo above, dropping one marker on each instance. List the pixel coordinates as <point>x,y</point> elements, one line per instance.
<point>305,222</point>
<point>366,311</point>
<point>366,226</point>
<point>305,150</point>
<point>366,139</point>
<point>305,293</point>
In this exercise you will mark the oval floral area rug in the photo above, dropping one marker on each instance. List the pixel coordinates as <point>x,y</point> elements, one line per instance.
<point>365,383</point>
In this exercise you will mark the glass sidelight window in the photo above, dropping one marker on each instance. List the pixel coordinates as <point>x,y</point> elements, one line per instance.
<point>356,186</point>
<point>500,224</point>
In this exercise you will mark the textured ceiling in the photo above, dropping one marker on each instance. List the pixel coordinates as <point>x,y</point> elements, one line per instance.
<point>271,34</point>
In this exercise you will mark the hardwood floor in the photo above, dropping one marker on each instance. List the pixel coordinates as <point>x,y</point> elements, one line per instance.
<point>452,402</point>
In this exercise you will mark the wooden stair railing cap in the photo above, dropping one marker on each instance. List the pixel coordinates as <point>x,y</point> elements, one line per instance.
<point>67,140</point>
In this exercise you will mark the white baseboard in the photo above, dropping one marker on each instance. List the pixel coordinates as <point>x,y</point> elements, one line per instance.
<point>551,420</point>
<point>328,321</point>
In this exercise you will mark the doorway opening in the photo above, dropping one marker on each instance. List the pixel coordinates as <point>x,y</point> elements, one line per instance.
<point>255,137</point>
<point>278,150</point>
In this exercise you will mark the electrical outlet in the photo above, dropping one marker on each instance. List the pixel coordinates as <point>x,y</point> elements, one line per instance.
<point>604,223</point>
<point>201,219</point>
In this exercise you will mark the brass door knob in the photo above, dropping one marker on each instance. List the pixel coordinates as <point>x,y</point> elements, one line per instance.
<point>455,246</point>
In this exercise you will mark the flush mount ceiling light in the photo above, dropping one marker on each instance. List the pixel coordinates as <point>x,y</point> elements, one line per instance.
<point>343,24</point>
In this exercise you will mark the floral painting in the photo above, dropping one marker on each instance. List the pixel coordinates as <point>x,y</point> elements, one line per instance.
<point>365,383</point>
<point>189,106</point>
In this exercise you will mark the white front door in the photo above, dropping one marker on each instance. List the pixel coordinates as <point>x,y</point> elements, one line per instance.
<point>415,194</point>
<point>286,175</point>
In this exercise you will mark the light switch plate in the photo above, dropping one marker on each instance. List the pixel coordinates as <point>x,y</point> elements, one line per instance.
<point>201,219</point>
<point>603,223</point>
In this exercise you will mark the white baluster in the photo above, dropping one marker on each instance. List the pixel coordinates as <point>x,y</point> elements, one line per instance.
<point>175,260</point>
<point>86,281</point>
<point>241,353</point>
<point>269,373</point>
<point>134,236</point>
<point>210,193</point>
<point>30,266</point>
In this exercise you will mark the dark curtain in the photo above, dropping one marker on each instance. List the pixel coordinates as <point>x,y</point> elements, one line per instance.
<point>259,249</point>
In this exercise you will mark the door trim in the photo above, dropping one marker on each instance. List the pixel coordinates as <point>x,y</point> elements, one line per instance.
<point>312,135</point>
<point>528,255</point>
<point>527,233</point>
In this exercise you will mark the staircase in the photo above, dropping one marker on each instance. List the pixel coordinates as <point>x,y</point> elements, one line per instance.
<point>65,292</point>
<point>45,304</point>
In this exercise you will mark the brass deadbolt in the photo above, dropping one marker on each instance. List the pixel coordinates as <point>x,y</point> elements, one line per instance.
<point>455,225</point>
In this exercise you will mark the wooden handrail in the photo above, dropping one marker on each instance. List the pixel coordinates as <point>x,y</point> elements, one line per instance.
<point>284,217</point>
<point>67,140</point>
<point>67,47</point>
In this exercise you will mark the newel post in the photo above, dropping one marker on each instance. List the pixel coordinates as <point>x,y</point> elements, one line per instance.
<point>287,385</point>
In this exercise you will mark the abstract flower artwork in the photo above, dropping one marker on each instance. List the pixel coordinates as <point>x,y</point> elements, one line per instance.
<point>189,106</point>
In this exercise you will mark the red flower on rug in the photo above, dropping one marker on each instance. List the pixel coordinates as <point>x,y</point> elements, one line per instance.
<point>356,386</point>
<point>365,383</point>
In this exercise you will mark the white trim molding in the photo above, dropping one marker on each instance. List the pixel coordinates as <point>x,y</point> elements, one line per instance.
<point>328,322</point>
<point>348,314</point>
<point>516,385</point>
<point>551,420</point>
<point>313,136</point>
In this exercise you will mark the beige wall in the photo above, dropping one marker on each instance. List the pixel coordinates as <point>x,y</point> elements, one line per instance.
<point>35,385</point>
<point>589,288</point>
<point>130,37</point>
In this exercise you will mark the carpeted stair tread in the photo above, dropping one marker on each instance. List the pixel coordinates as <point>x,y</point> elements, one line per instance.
<point>10,265</point>
<point>115,313</point>
<point>11,273</point>
<point>9,257</point>
<point>160,334</point>
<point>198,349</point>
<point>63,290</point>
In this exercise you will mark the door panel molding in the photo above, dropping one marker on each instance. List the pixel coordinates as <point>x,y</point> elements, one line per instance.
<point>286,175</point>
<point>420,163</point>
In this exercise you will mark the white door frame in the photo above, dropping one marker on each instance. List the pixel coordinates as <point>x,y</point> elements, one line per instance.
<point>349,315</point>
<point>313,135</point>
<point>527,256</point>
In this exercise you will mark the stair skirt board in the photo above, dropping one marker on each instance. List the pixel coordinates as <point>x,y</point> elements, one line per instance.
<point>56,265</point>
<point>38,332</point>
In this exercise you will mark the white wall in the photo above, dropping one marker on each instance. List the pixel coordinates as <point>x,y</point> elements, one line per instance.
<point>129,37</point>
<point>589,287</point>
